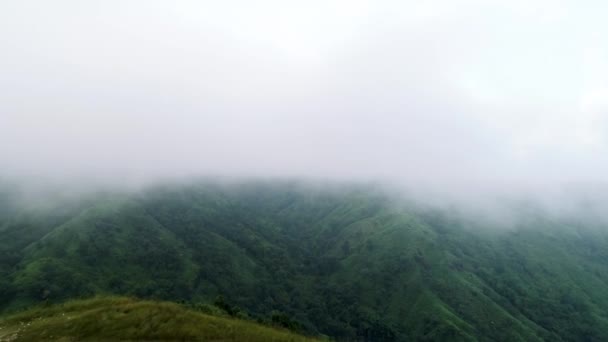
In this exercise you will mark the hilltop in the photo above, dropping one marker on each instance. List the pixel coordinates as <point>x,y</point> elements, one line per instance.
<point>125,319</point>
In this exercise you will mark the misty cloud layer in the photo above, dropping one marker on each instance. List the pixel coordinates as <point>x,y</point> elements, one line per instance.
<point>440,91</point>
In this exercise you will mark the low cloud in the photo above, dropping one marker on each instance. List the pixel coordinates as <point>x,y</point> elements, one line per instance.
<point>440,92</point>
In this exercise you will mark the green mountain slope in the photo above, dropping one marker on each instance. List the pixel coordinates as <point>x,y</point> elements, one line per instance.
<point>114,318</point>
<point>348,262</point>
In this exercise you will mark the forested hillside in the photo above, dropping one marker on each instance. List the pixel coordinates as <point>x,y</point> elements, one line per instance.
<point>349,262</point>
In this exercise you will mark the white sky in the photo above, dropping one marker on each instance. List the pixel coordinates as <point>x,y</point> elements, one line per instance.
<point>404,90</point>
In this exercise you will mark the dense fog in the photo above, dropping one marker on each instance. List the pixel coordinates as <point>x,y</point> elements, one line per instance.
<point>474,103</point>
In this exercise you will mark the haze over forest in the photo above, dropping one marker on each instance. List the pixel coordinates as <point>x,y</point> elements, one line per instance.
<point>299,170</point>
<point>502,92</point>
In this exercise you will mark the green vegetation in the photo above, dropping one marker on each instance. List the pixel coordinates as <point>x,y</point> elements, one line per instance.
<point>115,318</point>
<point>348,262</point>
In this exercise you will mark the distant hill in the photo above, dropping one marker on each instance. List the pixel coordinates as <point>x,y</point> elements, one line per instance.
<point>353,263</point>
<point>124,319</point>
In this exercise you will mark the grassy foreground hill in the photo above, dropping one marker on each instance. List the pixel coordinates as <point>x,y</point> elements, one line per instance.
<point>124,319</point>
<point>352,263</point>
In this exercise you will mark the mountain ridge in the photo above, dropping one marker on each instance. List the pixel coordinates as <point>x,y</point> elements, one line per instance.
<point>349,262</point>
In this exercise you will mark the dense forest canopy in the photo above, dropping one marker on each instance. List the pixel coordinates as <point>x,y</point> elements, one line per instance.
<point>346,261</point>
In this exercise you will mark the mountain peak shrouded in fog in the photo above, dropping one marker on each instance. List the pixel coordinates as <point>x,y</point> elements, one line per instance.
<point>506,91</point>
<point>349,170</point>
